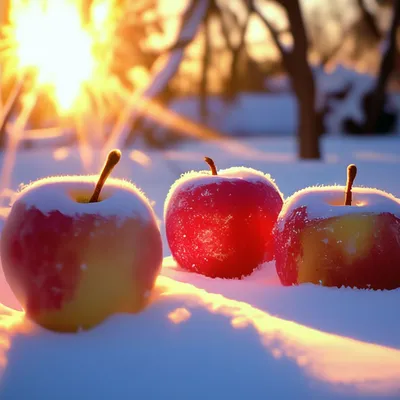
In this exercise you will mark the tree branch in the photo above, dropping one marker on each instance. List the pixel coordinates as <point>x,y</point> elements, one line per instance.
<point>205,66</point>
<point>235,50</point>
<point>385,70</point>
<point>163,71</point>
<point>336,49</point>
<point>274,33</point>
<point>369,19</point>
<point>9,106</point>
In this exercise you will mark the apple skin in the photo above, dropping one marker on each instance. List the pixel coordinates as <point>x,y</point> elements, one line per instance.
<point>221,225</point>
<point>320,241</point>
<point>71,264</point>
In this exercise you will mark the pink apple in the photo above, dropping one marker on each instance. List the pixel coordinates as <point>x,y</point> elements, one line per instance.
<point>320,240</point>
<point>220,224</point>
<point>71,263</point>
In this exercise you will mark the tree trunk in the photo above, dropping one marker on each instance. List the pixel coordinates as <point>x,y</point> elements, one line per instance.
<point>307,129</point>
<point>203,90</point>
<point>376,102</point>
<point>237,52</point>
<point>303,84</point>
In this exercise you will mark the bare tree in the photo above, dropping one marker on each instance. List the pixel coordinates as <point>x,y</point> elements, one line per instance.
<point>236,49</point>
<point>163,71</point>
<point>324,44</point>
<point>205,65</point>
<point>376,98</point>
<point>369,19</point>
<point>295,61</point>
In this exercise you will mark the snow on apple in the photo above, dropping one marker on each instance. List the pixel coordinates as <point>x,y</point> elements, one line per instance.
<point>220,224</point>
<point>105,254</point>
<point>320,240</point>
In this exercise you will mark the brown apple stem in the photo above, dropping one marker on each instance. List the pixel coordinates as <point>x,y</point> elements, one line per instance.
<point>112,160</point>
<point>211,163</point>
<point>351,175</point>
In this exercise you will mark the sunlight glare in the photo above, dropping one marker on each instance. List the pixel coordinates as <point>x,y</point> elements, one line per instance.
<point>140,157</point>
<point>100,11</point>
<point>51,41</point>
<point>61,153</point>
<point>11,322</point>
<point>179,315</point>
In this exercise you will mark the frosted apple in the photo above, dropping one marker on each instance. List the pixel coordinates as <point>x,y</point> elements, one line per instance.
<point>320,238</point>
<point>73,259</point>
<point>219,224</point>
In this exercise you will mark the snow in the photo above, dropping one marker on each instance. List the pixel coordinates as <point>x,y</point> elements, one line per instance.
<point>118,197</point>
<point>324,202</point>
<point>348,107</point>
<point>327,83</point>
<point>211,338</point>
<point>275,113</point>
<point>263,111</point>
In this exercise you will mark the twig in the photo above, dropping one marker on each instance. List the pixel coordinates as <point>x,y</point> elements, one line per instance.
<point>274,32</point>
<point>9,106</point>
<point>369,19</point>
<point>14,138</point>
<point>235,50</point>
<point>203,91</point>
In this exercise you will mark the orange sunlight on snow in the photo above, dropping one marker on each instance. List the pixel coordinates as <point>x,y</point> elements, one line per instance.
<point>364,367</point>
<point>179,315</point>
<point>11,322</point>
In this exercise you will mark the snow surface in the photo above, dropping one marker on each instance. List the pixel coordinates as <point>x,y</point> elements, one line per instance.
<point>204,338</point>
<point>275,113</point>
<point>263,111</point>
<point>118,197</point>
<point>327,201</point>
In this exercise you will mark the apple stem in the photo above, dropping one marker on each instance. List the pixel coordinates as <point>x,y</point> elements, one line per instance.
<point>112,160</point>
<point>351,175</point>
<point>211,163</point>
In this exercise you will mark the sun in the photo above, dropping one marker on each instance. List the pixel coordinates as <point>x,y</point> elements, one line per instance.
<point>51,42</point>
<point>65,54</point>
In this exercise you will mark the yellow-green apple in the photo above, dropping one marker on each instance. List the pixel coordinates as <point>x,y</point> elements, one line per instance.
<point>323,240</point>
<point>73,259</point>
<point>220,224</point>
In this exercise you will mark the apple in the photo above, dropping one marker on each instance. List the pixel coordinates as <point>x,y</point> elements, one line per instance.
<point>220,224</point>
<point>72,262</point>
<point>322,240</point>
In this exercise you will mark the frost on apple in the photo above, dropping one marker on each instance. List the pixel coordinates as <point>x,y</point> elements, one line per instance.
<point>70,195</point>
<point>220,225</point>
<point>318,239</point>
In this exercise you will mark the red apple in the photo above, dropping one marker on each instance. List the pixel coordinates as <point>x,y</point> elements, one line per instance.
<point>320,240</point>
<point>72,263</point>
<point>220,224</point>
